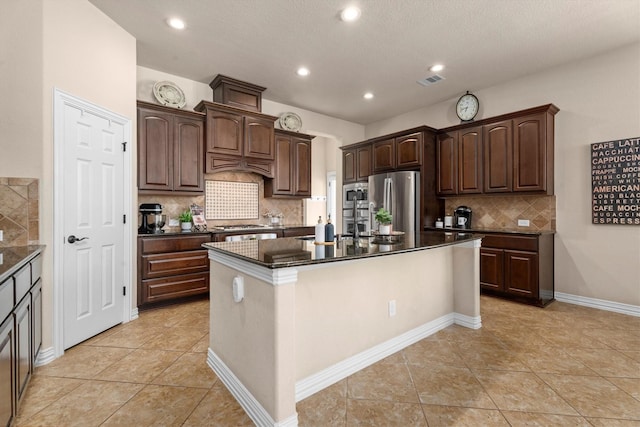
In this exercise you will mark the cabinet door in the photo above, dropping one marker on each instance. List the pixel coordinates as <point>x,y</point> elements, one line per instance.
<point>384,155</point>
<point>498,157</point>
<point>7,374</point>
<point>224,134</point>
<point>521,273</point>
<point>188,154</point>
<point>155,150</point>
<point>492,269</point>
<point>349,166</point>
<point>36,313</point>
<point>529,153</point>
<point>259,140</point>
<point>470,161</point>
<point>283,183</point>
<point>302,169</point>
<point>173,263</point>
<point>23,344</point>
<point>447,167</point>
<point>409,150</point>
<point>363,162</point>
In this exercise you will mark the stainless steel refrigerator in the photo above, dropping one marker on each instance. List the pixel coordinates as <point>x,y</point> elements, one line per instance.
<point>399,193</point>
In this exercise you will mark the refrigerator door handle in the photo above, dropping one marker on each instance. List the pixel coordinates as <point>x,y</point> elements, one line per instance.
<point>387,191</point>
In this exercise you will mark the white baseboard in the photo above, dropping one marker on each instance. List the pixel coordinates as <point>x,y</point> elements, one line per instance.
<point>467,321</point>
<point>331,375</point>
<point>618,307</point>
<point>134,313</point>
<point>46,355</point>
<point>250,404</point>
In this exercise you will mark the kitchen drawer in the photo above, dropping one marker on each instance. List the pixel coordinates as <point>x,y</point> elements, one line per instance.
<point>516,242</point>
<point>298,231</point>
<point>158,265</point>
<point>22,282</point>
<point>149,245</point>
<point>6,298</point>
<point>168,288</point>
<point>36,269</point>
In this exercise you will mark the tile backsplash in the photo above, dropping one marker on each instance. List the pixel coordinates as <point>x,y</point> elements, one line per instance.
<point>173,205</point>
<point>19,211</point>
<point>503,212</point>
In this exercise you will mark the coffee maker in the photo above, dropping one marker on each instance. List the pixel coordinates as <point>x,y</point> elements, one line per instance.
<point>152,218</point>
<point>462,217</point>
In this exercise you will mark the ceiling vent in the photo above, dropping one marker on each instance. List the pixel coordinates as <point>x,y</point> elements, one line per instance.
<point>428,81</point>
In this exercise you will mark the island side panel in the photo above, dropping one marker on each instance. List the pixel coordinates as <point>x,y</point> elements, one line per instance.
<point>466,283</point>
<point>255,337</point>
<point>342,308</point>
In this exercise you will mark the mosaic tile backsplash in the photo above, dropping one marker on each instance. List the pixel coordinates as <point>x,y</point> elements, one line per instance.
<point>503,212</point>
<point>19,211</point>
<point>231,200</point>
<point>291,209</point>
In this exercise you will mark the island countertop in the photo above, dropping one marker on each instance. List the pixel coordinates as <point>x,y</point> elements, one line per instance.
<point>295,251</point>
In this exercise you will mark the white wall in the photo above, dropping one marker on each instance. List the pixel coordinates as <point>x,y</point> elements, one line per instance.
<point>599,100</point>
<point>71,45</point>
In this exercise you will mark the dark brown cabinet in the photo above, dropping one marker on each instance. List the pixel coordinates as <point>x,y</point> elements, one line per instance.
<point>170,150</point>
<point>293,166</point>
<point>401,152</point>
<point>459,156</point>
<point>511,153</point>
<point>20,334</point>
<point>298,231</point>
<point>518,266</point>
<point>237,139</point>
<point>7,372</point>
<point>172,267</point>
<point>356,164</point>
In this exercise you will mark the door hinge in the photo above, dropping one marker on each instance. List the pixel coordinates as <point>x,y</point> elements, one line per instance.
<point>124,218</point>
<point>124,146</point>
<point>124,290</point>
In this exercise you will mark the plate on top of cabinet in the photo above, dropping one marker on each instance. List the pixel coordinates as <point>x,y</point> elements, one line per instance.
<point>169,94</point>
<point>290,121</point>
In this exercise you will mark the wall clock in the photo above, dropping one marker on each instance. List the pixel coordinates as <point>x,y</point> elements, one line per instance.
<point>467,107</point>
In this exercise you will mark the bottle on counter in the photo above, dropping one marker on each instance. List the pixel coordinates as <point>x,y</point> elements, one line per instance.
<point>439,223</point>
<point>329,235</point>
<point>320,230</point>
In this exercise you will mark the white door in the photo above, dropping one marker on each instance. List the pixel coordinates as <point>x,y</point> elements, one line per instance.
<point>93,207</point>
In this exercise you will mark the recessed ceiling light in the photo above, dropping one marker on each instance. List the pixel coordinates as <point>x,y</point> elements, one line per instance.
<point>303,71</point>
<point>176,23</point>
<point>350,14</point>
<point>437,67</point>
<point>368,95</point>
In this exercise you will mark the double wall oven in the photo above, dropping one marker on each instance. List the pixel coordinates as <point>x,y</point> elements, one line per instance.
<point>355,208</point>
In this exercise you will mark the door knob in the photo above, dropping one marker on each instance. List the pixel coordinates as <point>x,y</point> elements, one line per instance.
<point>73,239</point>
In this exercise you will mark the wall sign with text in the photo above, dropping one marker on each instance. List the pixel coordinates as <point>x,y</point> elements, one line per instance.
<point>615,182</point>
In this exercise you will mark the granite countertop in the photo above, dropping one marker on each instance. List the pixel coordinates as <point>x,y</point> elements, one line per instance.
<point>295,251</point>
<point>493,230</point>
<point>216,230</point>
<point>14,257</point>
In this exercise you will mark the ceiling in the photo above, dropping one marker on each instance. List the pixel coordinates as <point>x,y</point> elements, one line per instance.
<point>481,42</point>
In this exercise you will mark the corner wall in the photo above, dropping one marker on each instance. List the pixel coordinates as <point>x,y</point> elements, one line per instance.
<point>599,100</point>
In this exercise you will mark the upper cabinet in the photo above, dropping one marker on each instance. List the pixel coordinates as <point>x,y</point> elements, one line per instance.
<point>356,164</point>
<point>459,157</point>
<point>238,139</point>
<point>384,155</point>
<point>400,152</point>
<point>170,150</point>
<point>293,166</point>
<point>505,154</point>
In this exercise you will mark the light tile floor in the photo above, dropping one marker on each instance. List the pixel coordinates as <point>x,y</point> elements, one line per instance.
<point>563,365</point>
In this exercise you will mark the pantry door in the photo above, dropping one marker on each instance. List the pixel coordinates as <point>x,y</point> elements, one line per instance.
<point>94,259</point>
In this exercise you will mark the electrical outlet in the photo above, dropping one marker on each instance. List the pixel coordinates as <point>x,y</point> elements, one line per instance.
<point>392,308</point>
<point>523,223</point>
<point>1,235</point>
<point>174,222</point>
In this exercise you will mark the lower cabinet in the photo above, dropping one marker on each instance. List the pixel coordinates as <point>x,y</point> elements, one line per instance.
<point>20,334</point>
<point>7,372</point>
<point>298,231</point>
<point>172,267</point>
<point>518,266</point>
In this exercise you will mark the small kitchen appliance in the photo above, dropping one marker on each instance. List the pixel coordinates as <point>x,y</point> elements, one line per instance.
<point>151,211</point>
<point>462,217</point>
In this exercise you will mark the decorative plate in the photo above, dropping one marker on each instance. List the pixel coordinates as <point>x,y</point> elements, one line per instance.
<point>168,93</point>
<point>290,121</point>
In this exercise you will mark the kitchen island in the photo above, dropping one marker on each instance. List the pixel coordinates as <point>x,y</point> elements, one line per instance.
<point>289,318</point>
